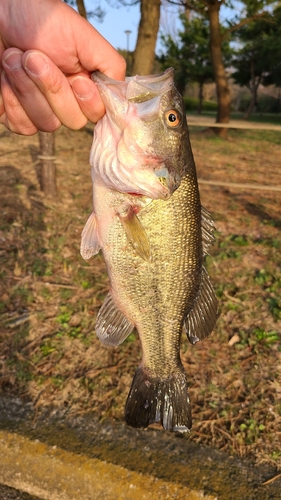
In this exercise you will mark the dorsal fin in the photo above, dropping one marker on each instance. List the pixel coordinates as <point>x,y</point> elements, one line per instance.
<point>208,228</point>
<point>112,327</point>
<point>202,318</point>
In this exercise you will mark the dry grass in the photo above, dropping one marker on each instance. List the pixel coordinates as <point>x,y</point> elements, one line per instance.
<point>49,296</point>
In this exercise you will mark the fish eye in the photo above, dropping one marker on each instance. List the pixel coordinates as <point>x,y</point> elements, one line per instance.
<point>173,118</point>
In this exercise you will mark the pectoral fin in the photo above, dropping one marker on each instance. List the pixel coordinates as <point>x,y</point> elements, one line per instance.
<point>202,318</point>
<point>112,327</point>
<point>135,233</point>
<point>89,239</point>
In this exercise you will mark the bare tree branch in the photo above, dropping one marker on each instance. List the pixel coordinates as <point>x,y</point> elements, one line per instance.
<point>242,23</point>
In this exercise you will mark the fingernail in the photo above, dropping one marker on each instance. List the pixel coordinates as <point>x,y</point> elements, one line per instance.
<point>82,87</point>
<point>13,60</point>
<point>35,64</point>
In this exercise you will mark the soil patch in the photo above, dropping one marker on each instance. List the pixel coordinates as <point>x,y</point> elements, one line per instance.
<point>49,296</point>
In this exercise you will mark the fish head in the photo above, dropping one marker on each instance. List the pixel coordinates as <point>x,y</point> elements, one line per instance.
<point>149,143</point>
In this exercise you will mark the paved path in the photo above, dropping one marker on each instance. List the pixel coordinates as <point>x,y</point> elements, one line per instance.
<point>206,121</point>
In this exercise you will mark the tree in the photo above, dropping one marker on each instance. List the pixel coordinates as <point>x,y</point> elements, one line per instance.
<point>219,33</point>
<point>144,55</point>
<point>47,163</point>
<point>272,48</point>
<point>147,35</point>
<point>47,143</point>
<point>258,60</point>
<point>190,55</point>
<point>81,8</point>
<point>97,14</point>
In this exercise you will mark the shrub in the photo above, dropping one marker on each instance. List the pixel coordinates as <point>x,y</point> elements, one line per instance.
<point>191,104</point>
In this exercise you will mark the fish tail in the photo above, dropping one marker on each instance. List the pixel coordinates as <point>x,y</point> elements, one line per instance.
<point>164,401</point>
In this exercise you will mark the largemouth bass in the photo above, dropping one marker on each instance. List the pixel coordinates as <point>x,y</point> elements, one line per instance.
<point>153,233</point>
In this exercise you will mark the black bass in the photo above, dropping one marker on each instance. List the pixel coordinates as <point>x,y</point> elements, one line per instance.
<point>153,233</point>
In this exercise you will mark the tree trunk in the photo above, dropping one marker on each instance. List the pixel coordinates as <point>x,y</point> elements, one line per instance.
<point>147,36</point>
<point>81,8</point>
<point>200,98</point>
<point>187,12</point>
<point>48,166</point>
<point>222,88</point>
<point>278,103</point>
<point>255,81</point>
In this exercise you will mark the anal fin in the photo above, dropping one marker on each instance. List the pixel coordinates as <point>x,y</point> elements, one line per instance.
<point>202,318</point>
<point>112,327</point>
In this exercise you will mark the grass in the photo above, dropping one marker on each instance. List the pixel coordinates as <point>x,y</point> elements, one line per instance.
<point>54,358</point>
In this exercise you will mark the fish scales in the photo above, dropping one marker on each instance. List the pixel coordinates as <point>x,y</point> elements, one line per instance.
<point>153,247</point>
<point>144,289</point>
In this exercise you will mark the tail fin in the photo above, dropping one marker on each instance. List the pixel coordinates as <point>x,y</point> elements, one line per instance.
<point>154,400</point>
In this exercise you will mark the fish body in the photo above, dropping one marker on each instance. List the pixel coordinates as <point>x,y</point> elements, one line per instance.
<point>154,247</point>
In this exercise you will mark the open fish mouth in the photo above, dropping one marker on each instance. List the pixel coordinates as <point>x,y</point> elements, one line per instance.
<point>136,89</point>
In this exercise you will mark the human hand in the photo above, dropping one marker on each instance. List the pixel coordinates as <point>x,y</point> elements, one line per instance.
<point>47,53</point>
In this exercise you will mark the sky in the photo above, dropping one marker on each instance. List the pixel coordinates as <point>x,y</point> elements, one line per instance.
<point>118,20</point>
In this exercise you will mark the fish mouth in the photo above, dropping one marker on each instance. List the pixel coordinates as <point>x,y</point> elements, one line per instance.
<point>137,88</point>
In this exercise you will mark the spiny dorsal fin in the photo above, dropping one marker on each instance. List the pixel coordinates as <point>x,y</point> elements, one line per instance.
<point>208,228</point>
<point>112,327</point>
<point>89,238</point>
<point>136,233</point>
<point>202,318</point>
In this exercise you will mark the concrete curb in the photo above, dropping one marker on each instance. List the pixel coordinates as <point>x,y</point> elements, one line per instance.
<point>51,473</point>
<point>55,454</point>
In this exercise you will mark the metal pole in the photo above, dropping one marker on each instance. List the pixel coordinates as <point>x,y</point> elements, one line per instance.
<point>128,32</point>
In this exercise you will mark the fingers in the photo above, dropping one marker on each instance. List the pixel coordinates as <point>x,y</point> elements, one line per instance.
<point>48,97</point>
<point>88,97</point>
<point>74,106</point>
<point>12,115</point>
<point>18,87</point>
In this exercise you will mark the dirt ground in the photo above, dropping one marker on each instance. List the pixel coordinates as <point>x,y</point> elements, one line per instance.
<point>49,296</point>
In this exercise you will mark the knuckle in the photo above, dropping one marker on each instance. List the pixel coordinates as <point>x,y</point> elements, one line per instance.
<point>50,126</point>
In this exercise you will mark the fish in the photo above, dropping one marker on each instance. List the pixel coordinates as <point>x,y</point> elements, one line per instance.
<point>154,234</point>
